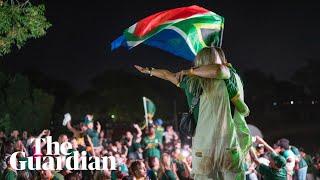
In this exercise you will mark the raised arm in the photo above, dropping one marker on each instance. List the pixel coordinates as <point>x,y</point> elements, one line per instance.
<point>253,156</point>
<point>139,134</point>
<point>72,129</point>
<point>45,132</point>
<point>266,145</point>
<point>214,71</point>
<point>159,73</point>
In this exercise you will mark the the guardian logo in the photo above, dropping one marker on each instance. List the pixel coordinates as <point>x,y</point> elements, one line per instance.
<point>60,158</point>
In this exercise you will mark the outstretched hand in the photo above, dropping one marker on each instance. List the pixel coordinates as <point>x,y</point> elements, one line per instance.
<point>44,132</point>
<point>141,69</point>
<point>136,126</point>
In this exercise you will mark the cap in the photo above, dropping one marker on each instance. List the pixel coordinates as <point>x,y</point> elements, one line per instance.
<point>88,119</point>
<point>158,122</point>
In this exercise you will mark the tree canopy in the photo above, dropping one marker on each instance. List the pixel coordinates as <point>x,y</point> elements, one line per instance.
<point>20,21</point>
<point>23,106</point>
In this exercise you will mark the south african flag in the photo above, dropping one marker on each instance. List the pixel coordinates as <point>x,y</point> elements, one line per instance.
<point>182,31</point>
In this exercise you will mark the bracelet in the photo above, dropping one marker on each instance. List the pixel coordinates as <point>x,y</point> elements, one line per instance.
<point>191,71</point>
<point>151,71</point>
<point>148,70</point>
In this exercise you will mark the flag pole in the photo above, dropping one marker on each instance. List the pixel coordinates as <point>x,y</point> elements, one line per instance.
<point>145,111</point>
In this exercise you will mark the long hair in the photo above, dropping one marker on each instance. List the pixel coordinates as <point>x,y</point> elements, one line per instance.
<point>208,55</point>
<point>135,168</point>
<point>165,164</point>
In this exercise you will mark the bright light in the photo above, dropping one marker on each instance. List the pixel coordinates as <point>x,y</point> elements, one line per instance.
<point>113,116</point>
<point>185,153</point>
<point>312,102</point>
<point>291,102</point>
<point>274,103</point>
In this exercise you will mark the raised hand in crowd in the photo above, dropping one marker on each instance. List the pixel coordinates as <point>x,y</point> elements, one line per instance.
<point>98,127</point>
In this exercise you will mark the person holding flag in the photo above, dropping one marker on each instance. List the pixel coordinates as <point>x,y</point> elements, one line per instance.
<point>220,142</point>
<point>149,112</point>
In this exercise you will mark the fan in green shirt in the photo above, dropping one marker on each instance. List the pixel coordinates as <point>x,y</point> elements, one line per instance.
<point>151,144</point>
<point>308,160</point>
<point>302,162</point>
<point>168,175</point>
<point>159,130</point>
<point>154,166</point>
<point>168,169</point>
<point>9,174</point>
<point>276,169</point>
<point>272,173</point>
<point>133,142</point>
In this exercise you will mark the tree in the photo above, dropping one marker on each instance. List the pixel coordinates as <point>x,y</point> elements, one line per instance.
<point>307,76</point>
<point>21,105</point>
<point>20,21</point>
<point>120,93</point>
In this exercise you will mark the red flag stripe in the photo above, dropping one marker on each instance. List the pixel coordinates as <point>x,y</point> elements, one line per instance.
<point>147,24</point>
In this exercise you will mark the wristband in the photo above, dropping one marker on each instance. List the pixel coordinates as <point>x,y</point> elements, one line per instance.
<point>151,71</point>
<point>191,71</point>
<point>148,70</point>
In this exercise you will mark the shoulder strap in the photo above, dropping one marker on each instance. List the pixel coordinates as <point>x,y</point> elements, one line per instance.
<point>195,101</point>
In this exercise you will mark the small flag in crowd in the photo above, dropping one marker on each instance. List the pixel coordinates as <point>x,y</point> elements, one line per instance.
<point>149,107</point>
<point>182,31</point>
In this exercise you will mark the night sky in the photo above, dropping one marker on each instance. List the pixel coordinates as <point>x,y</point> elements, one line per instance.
<point>272,36</point>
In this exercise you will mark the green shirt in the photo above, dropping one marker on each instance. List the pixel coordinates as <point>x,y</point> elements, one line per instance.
<point>288,154</point>
<point>168,175</point>
<point>231,85</point>
<point>180,168</point>
<point>309,162</point>
<point>185,86</point>
<point>94,135</point>
<point>152,174</point>
<point>134,146</point>
<point>159,134</point>
<point>9,174</point>
<point>302,162</point>
<point>153,149</point>
<point>272,174</point>
<point>57,176</point>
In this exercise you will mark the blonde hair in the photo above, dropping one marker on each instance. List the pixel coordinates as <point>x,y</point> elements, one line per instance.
<point>165,164</point>
<point>206,56</point>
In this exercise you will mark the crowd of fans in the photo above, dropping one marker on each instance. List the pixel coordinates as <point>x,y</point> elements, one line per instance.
<point>152,152</point>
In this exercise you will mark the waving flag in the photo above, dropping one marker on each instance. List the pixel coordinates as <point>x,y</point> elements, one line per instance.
<point>149,111</point>
<point>182,31</point>
<point>149,107</point>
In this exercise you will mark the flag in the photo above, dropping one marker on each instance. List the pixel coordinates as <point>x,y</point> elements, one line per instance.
<point>181,31</point>
<point>149,107</point>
